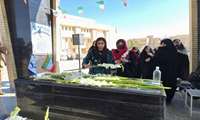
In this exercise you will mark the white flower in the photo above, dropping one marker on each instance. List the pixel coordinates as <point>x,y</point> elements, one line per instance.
<point>92,82</point>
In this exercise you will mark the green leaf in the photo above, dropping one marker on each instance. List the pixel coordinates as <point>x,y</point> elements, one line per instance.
<point>15,112</point>
<point>47,114</point>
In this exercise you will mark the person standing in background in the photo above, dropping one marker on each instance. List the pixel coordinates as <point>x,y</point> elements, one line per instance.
<point>3,53</point>
<point>133,66</point>
<point>183,60</point>
<point>120,54</point>
<point>166,59</point>
<point>146,62</point>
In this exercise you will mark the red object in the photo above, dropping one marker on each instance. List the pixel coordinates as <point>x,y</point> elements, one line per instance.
<point>117,53</point>
<point>53,68</point>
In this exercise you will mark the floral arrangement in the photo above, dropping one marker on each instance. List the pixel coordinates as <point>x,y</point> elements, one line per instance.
<point>106,81</point>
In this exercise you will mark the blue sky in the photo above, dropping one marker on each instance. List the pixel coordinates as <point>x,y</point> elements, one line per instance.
<point>141,18</point>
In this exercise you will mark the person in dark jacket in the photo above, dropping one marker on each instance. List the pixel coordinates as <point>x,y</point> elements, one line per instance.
<point>183,60</point>
<point>146,64</point>
<point>132,67</point>
<point>99,55</point>
<point>166,59</point>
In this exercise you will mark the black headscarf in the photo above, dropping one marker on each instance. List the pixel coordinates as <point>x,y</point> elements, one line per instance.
<point>166,59</point>
<point>144,54</point>
<point>169,45</point>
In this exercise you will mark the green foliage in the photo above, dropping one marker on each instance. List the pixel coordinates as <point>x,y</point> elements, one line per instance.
<point>14,113</point>
<point>46,117</point>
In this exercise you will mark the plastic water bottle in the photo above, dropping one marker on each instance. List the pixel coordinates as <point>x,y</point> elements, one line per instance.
<point>157,75</point>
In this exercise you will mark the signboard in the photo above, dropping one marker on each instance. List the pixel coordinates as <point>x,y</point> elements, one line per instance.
<point>41,38</point>
<point>77,39</point>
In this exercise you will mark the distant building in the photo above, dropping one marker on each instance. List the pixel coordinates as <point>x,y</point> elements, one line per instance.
<point>155,42</point>
<point>91,30</point>
<point>141,42</point>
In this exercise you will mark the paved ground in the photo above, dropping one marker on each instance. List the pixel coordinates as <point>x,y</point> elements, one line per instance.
<point>7,101</point>
<point>175,111</point>
<point>178,111</point>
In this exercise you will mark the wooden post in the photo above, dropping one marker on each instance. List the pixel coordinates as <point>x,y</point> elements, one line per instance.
<point>55,32</point>
<point>5,36</point>
<point>194,33</point>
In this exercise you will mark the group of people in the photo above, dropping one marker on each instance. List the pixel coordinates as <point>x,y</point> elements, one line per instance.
<point>170,56</point>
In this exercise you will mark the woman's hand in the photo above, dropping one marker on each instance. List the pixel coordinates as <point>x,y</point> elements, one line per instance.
<point>86,65</point>
<point>147,60</point>
<point>117,61</point>
<point>150,54</point>
<point>123,59</point>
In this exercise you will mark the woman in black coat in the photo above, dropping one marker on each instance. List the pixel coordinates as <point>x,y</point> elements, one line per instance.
<point>146,62</point>
<point>183,60</point>
<point>166,59</point>
<point>132,67</point>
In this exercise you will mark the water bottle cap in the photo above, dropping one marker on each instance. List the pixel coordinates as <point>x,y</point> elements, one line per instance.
<point>157,68</point>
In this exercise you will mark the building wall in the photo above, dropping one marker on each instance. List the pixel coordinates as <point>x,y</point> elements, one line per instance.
<point>40,11</point>
<point>10,69</point>
<point>67,43</point>
<point>69,25</point>
<point>194,33</point>
<point>141,42</point>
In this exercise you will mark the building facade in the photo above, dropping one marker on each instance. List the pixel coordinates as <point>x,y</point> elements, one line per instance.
<point>195,32</point>
<point>89,28</point>
<point>142,42</point>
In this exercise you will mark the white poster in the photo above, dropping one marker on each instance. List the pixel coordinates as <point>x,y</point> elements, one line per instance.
<point>41,38</point>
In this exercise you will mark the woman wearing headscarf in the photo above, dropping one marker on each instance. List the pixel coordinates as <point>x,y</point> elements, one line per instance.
<point>146,64</point>
<point>166,59</point>
<point>120,54</point>
<point>133,66</point>
<point>183,60</point>
<point>98,55</point>
<point>120,51</point>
